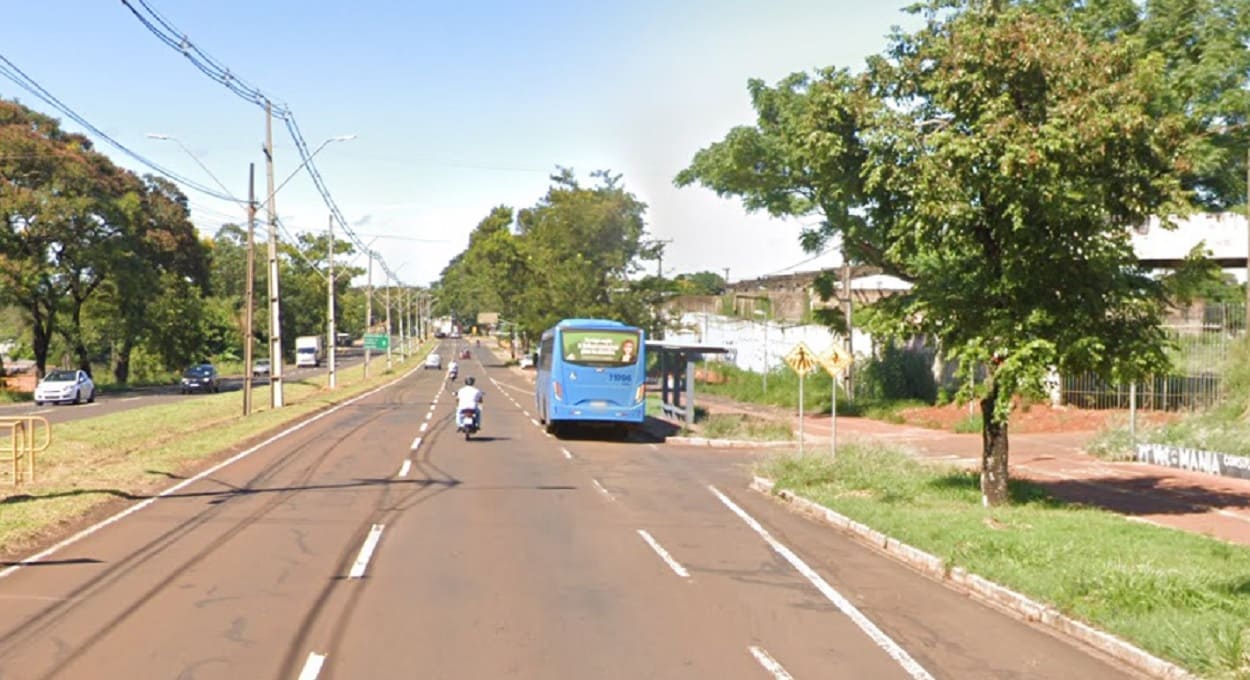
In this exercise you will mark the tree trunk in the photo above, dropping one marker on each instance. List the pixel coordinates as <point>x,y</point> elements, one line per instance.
<point>121,369</point>
<point>993,452</point>
<point>41,337</point>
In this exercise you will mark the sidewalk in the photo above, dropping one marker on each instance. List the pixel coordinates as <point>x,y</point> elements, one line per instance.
<point>1190,501</point>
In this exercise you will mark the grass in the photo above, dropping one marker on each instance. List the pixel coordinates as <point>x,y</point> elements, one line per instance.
<point>1181,596</point>
<point>129,454</point>
<point>745,428</point>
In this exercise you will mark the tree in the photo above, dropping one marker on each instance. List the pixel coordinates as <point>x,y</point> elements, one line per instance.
<point>700,283</point>
<point>994,159</point>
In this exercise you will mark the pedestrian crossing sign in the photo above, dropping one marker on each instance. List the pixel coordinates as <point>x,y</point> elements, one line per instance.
<point>802,359</point>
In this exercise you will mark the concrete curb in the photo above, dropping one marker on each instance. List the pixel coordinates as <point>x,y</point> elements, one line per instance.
<point>728,443</point>
<point>979,588</point>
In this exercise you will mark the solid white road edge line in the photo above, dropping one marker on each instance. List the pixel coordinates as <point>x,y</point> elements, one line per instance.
<point>312,667</point>
<point>191,480</point>
<point>659,550</point>
<point>403,469</point>
<point>415,443</point>
<point>769,663</point>
<point>366,552</point>
<point>882,640</point>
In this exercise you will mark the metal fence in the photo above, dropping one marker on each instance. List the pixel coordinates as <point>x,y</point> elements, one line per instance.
<point>1205,337</point>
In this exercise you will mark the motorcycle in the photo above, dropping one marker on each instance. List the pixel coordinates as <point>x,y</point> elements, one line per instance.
<point>467,421</point>
<point>451,375</point>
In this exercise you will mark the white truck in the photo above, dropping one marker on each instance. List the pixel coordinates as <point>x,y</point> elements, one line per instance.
<point>308,350</point>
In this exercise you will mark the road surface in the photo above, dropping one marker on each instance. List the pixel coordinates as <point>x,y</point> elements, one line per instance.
<point>375,542</point>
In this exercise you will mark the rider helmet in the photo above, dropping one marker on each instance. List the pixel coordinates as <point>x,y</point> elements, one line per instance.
<point>469,380</point>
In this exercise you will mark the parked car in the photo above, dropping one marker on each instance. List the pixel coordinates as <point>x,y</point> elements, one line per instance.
<point>260,368</point>
<point>65,387</point>
<point>200,378</point>
<point>526,361</point>
<point>433,361</point>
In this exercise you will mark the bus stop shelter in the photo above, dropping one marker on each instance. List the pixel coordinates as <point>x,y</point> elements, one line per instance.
<point>676,372</point>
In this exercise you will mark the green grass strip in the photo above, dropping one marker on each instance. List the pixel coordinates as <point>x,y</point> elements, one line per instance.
<point>1180,596</point>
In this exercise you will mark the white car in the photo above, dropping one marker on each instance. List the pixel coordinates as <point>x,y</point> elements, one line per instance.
<point>66,387</point>
<point>526,361</point>
<point>434,360</point>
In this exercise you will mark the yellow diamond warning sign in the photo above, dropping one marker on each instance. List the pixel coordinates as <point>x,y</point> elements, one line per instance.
<point>802,359</point>
<point>835,360</point>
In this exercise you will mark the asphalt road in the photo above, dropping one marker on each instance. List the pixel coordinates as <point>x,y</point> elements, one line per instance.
<point>374,542</point>
<point>109,403</point>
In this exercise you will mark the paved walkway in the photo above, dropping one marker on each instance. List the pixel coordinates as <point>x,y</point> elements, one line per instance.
<point>1191,501</point>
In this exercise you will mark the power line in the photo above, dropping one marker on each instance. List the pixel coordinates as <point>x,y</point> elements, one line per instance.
<point>176,39</point>
<point>19,77</point>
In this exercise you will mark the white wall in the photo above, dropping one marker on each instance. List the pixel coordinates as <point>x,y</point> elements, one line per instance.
<point>746,339</point>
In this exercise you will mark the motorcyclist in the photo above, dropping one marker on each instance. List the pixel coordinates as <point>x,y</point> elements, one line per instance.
<point>453,369</point>
<point>469,398</point>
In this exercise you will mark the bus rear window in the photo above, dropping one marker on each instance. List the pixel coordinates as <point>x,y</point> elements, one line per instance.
<point>600,347</point>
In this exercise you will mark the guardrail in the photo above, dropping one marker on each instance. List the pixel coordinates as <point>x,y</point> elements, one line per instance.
<point>22,445</point>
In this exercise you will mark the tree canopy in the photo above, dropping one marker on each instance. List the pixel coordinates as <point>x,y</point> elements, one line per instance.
<point>995,158</point>
<point>572,254</point>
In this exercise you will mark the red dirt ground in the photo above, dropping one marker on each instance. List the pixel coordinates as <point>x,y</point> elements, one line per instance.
<point>1031,419</point>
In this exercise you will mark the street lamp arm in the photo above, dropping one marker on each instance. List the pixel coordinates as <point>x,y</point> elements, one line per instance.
<point>297,170</point>
<point>220,185</point>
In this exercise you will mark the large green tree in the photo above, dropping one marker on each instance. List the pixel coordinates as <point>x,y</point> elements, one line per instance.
<point>994,158</point>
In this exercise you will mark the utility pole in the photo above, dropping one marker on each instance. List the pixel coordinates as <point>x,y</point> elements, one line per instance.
<point>247,293</point>
<point>332,347</point>
<point>275,307</point>
<point>403,318</point>
<point>659,258</point>
<point>1246,325</point>
<point>369,311</point>
<point>850,327</point>
<point>388,324</point>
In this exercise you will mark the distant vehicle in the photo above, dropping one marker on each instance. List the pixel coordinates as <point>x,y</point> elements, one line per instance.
<point>260,368</point>
<point>65,387</point>
<point>434,361</point>
<point>343,339</point>
<point>200,378</point>
<point>591,371</point>
<point>464,354</point>
<point>308,351</point>
<point>454,333</point>
<point>440,334</point>
<point>526,361</point>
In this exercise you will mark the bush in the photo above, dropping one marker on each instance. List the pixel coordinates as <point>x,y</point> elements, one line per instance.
<point>898,374</point>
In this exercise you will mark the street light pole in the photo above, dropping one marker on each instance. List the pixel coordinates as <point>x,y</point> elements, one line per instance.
<point>275,305</point>
<point>388,323</point>
<point>248,294</point>
<point>368,311</point>
<point>332,347</point>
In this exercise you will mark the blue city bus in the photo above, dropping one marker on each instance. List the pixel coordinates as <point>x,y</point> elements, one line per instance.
<point>591,371</point>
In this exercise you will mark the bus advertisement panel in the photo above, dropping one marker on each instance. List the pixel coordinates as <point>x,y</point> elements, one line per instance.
<point>591,371</point>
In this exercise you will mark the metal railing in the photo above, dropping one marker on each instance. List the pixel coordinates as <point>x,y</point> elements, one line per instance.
<point>21,446</point>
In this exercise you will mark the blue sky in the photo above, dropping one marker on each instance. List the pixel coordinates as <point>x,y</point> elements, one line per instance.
<point>456,107</point>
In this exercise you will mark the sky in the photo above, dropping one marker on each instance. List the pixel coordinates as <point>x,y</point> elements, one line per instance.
<point>455,107</point>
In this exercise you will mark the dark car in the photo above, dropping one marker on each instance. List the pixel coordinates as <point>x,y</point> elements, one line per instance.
<point>200,378</point>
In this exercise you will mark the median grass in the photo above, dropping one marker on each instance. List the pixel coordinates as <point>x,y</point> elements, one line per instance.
<point>134,453</point>
<point>1181,596</point>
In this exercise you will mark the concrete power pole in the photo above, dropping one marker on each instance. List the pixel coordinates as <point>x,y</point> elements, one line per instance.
<point>847,310</point>
<point>332,347</point>
<point>275,306</point>
<point>388,324</point>
<point>368,311</point>
<point>248,291</point>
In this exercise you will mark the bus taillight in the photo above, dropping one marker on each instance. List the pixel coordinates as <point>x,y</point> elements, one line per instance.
<point>642,392</point>
<point>555,387</point>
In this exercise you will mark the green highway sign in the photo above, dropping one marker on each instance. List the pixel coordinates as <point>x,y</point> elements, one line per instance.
<point>377,341</point>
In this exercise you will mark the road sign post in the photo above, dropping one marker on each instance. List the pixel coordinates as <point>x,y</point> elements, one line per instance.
<point>803,361</point>
<point>835,361</point>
